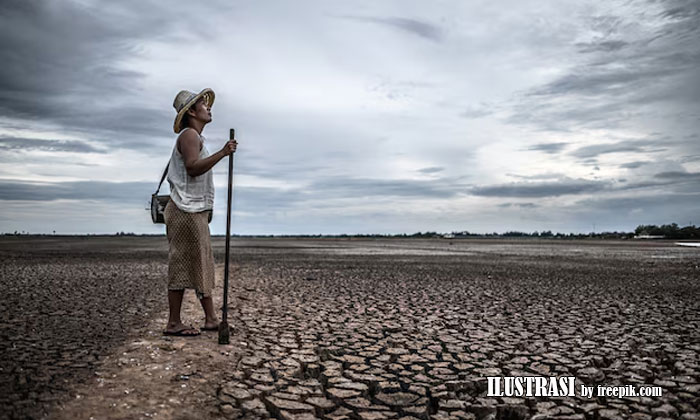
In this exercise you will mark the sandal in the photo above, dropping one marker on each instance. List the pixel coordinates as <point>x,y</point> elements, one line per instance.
<point>185,332</point>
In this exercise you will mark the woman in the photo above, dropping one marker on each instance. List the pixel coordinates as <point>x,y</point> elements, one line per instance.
<point>190,258</point>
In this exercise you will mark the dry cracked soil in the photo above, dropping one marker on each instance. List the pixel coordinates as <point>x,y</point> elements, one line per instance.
<point>351,329</point>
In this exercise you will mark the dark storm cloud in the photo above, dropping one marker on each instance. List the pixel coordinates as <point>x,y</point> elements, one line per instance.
<point>644,184</point>
<point>541,189</point>
<point>550,148</point>
<point>138,194</point>
<point>677,175</point>
<point>541,176</point>
<point>628,212</point>
<point>117,192</point>
<point>658,208</point>
<point>633,165</point>
<point>321,194</point>
<point>622,72</point>
<point>521,205</point>
<point>627,146</point>
<point>250,198</point>
<point>367,187</point>
<point>52,52</point>
<point>605,46</point>
<point>331,188</point>
<point>413,26</point>
<point>681,9</point>
<point>610,80</point>
<point>653,200</point>
<point>74,146</point>
<point>63,64</point>
<point>431,170</point>
<point>668,182</point>
<point>568,116</point>
<point>689,158</point>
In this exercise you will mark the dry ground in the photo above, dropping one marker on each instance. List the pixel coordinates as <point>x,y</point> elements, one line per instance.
<point>350,329</point>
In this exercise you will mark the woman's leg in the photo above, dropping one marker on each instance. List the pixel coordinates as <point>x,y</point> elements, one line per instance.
<point>175,304</point>
<point>175,325</point>
<point>210,319</point>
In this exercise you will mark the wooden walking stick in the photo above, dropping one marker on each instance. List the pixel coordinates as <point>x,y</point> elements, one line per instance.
<point>224,332</point>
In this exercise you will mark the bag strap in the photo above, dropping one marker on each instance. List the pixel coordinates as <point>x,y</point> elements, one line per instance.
<point>165,172</point>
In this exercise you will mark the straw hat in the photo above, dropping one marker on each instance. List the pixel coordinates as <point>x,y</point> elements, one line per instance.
<point>185,99</point>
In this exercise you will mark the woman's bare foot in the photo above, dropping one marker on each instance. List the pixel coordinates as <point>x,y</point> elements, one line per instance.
<point>211,325</point>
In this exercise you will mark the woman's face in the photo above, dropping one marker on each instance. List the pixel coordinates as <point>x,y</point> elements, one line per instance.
<point>201,111</point>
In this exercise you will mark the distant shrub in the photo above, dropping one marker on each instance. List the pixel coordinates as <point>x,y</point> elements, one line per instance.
<point>672,231</point>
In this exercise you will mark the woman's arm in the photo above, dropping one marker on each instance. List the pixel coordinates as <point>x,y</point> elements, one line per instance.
<point>189,146</point>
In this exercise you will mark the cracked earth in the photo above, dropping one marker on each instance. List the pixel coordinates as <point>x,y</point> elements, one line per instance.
<point>350,329</point>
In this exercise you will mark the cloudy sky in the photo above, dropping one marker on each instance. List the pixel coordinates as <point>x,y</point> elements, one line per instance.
<point>356,116</point>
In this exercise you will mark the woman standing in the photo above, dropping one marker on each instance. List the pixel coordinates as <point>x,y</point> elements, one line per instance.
<point>187,215</point>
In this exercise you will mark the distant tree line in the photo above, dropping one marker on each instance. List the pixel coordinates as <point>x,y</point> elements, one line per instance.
<point>672,231</point>
<point>545,234</point>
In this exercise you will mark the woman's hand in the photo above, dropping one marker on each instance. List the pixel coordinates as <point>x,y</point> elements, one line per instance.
<point>229,148</point>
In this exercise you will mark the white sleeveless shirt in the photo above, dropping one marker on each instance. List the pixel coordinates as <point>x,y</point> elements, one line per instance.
<point>191,194</point>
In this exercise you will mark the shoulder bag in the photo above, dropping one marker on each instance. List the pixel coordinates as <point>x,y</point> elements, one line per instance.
<point>158,202</point>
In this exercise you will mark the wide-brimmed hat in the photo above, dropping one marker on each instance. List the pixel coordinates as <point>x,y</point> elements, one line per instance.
<point>185,99</point>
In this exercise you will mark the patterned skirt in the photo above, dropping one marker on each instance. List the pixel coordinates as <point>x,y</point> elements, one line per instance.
<point>190,258</point>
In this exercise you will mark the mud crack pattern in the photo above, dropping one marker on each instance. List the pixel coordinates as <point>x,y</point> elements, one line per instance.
<point>375,337</point>
<point>66,302</point>
<point>338,329</point>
